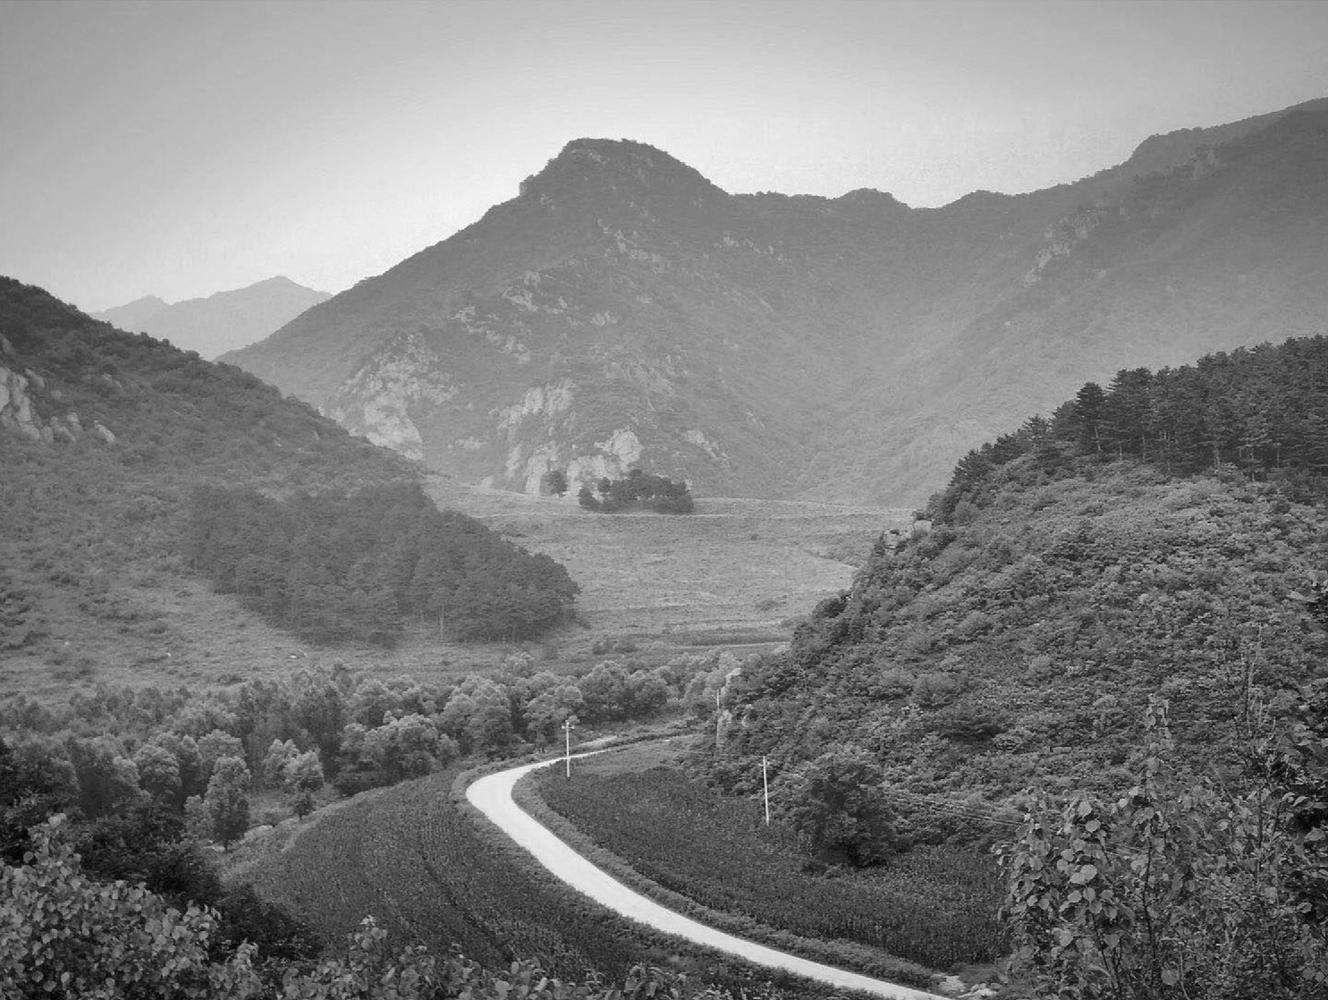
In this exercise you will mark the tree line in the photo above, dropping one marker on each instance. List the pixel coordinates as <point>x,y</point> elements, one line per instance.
<point>112,749</point>
<point>360,567</point>
<point>638,490</point>
<point>1260,410</point>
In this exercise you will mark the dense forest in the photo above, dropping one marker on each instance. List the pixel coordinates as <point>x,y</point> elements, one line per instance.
<point>638,490</point>
<point>358,567</point>
<point>1262,411</point>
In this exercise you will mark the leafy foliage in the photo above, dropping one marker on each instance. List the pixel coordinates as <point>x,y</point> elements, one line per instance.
<point>357,567</point>
<point>227,800</point>
<point>1297,767</point>
<point>64,935</point>
<point>837,804</point>
<point>1021,645</point>
<point>1170,890</point>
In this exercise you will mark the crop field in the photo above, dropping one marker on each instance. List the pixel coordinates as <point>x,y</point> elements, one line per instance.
<point>931,906</point>
<point>735,573</point>
<point>408,856</point>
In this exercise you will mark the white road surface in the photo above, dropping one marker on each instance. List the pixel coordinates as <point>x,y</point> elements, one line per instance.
<point>492,795</point>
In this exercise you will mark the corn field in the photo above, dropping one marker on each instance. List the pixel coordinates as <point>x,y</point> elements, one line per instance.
<point>936,907</point>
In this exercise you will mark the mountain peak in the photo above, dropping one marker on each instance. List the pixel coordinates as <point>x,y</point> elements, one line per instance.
<point>871,200</point>
<point>222,321</point>
<point>623,312</point>
<point>625,166</point>
<point>279,281</point>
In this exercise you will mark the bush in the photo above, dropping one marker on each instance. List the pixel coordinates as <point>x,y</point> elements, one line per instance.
<point>838,805</point>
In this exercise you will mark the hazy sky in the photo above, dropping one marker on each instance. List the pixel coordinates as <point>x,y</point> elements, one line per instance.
<point>189,147</point>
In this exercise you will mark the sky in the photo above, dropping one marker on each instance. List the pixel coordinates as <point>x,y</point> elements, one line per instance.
<point>185,148</point>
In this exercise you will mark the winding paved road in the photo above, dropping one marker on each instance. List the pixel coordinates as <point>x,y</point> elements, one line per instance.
<point>492,795</point>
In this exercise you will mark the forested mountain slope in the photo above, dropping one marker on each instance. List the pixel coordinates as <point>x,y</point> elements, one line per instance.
<point>1162,536</point>
<point>108,440</point>
<point>624,309</point>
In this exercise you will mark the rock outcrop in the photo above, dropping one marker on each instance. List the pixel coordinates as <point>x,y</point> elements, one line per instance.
<point>19,415</point>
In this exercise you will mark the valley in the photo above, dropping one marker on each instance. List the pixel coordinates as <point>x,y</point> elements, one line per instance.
<point>736,574</point>
<point>255,647</point>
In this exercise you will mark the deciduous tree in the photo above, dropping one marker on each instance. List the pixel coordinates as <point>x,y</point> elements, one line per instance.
<point>227,800</point>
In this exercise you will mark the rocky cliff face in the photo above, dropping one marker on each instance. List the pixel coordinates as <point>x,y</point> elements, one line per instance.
<point>19,415</point>
<point>623,310</point>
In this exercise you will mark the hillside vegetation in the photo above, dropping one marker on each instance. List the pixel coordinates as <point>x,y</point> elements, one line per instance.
<point>107,439</point>
<point>1061,586</point>
<point>935,908</point>
<point>334,568</point>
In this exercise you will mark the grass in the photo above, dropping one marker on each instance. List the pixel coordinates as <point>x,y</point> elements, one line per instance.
<point>737,572</point>
<point>934,907</point>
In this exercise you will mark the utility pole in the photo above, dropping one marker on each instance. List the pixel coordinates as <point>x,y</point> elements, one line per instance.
<point>765,784</point>
<point>567,735</point>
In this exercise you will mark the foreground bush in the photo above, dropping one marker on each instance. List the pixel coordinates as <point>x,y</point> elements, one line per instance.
<point>1176,890</point>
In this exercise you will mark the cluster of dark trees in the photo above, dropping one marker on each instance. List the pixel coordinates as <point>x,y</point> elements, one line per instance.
<point>359,567</point>
<point>1262,410</point>
<point>112,748</point>
<point>638,491</point>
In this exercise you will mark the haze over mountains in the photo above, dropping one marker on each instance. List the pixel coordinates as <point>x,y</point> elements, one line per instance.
<point>623,310</point>
<point>226,321</point>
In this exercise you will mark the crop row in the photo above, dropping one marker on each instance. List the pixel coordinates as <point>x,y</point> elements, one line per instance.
<point>933,907</point>
<point>414,857</point>
<point>410,857</point>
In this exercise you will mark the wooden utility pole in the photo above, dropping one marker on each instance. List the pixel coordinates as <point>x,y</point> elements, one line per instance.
<point>567,736</point>
<point>765,785</point>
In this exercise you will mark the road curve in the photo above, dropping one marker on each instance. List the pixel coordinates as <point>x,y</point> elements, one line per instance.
<point>492,795</point>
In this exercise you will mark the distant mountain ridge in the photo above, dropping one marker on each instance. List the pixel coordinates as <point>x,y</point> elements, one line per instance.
<point>623,310</point>
<point>225,321</point>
